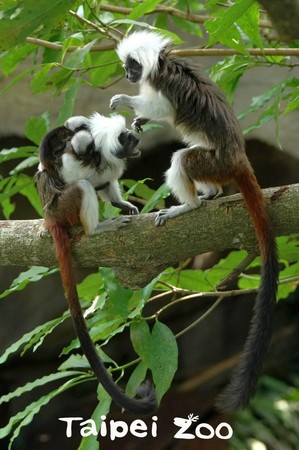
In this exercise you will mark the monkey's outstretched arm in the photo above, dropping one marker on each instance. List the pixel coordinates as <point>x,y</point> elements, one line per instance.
<point>152,108</point>
<point>156,108</point>
<point>112,194</point>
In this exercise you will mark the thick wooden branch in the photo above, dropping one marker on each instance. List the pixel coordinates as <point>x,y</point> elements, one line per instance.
<point>141,250</point>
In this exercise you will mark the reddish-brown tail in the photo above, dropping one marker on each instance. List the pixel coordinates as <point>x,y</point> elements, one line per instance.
<point>146,402</point>
<point>244,379</point>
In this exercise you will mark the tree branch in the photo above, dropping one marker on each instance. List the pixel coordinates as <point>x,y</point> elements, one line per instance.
<point>141,251</point>
<point>196,18</point>
<point>71,48</point>
<point>231,52</point>
<point>178,52</point>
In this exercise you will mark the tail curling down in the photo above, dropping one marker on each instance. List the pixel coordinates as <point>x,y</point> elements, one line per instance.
<point>244,379</point>
<point>146,402</point>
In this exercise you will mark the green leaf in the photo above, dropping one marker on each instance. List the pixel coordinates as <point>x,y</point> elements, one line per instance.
<point>294,102</point>
<point>119,297</point>
<point>107,329</point>
<point>268,115</point>
<point>105,64</point>
<point>136,378</point>
<point>274,95</point>
<point>37,340</point>
<point>78,56</point>
<point>288,248</point>
<point>67,107</point>
<point>249,24</point>
<point>142,8</point>
<point>76,39</point>
<point>273,92</point>
<point>225,266</point>
<point>75,361</point>
<point>91,442</point>
<point>284,290</point>
<point>90,287</point>
<point>40,81</point>
<point>211,3</point>
<point>35,273</point>
<point>141,340</point>
<point>25,164</point>
<point>37,127</point>
<point>158,350</point>
<point>160,194</point>
<point>10,60</point>
<point>7,4</point>
<point>32,336</point>
<point>193,280</point>
<point>222,28</point>
<point>25,17</point>
<point>138,188</point>
<point>25,417</point>
<point>26,186</point>
<point>28,387</point>
<point>228,72</point>
<point>17,153</point>
<point>164,358</point>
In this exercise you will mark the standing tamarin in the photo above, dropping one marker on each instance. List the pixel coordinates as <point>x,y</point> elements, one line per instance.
<point>171,89</point>
<point>76,160</point>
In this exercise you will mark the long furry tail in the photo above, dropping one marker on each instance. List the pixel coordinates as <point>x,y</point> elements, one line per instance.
<point>146,402</point>
<point>244,379</point>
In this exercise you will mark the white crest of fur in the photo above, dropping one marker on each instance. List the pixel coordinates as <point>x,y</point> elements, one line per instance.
<point>144,47</point>
<point>105,132</point>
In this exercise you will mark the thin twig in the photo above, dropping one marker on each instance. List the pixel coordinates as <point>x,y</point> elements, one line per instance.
<point>118,34</point>
<point>200,318</point>
<point>177,52</point>
<point>71,48</point>
<point>91,24</point>
<point>196,18</point>
<point>232,52</point>
<point>233,275</point>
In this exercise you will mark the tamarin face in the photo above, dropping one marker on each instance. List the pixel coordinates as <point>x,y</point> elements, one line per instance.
<point>128,143</point>
<point>133,70</point>
<point>112,138</point>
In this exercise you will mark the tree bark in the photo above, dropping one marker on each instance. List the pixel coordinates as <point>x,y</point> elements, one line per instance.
<point>140,251</point>
<point>285,17</point>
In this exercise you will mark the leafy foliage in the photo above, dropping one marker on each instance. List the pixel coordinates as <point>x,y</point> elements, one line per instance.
<point>67,42</point>
<point>271,421</point>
